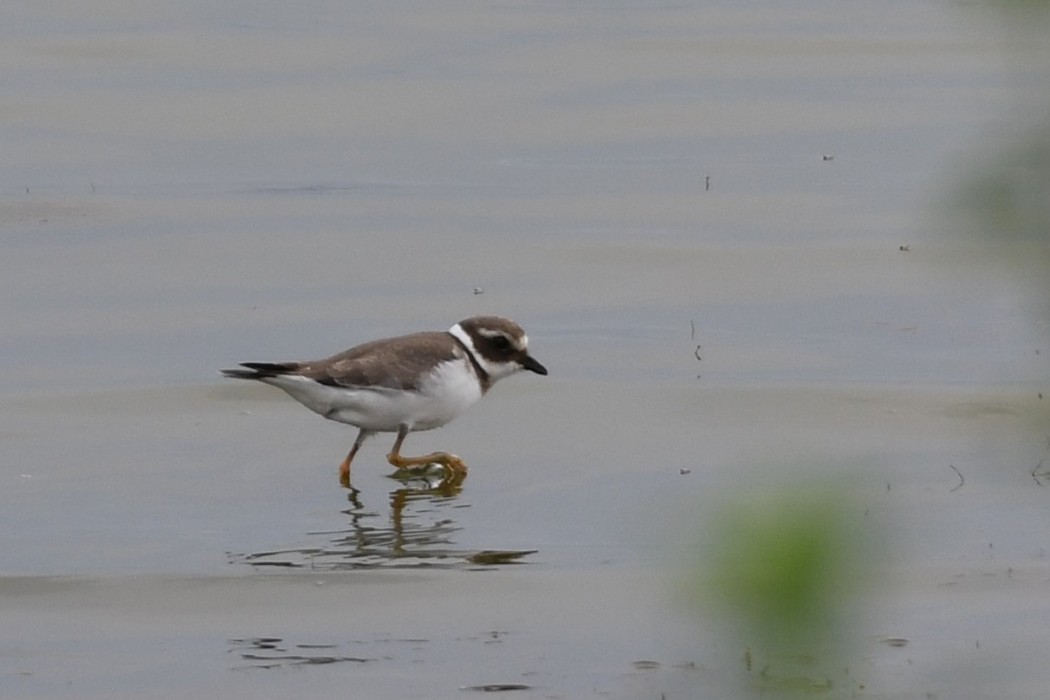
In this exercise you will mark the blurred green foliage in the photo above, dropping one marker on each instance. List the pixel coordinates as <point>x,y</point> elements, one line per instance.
<point>786,570</point>
<point>1008,199</point>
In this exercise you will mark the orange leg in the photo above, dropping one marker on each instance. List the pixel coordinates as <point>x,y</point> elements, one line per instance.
<point>452,464</point>
<point>344,468</point>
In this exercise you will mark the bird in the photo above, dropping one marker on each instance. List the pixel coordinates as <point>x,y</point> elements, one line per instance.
<point>404,384</point>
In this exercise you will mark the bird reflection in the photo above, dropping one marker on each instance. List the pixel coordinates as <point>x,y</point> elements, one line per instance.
<point>419,530</point>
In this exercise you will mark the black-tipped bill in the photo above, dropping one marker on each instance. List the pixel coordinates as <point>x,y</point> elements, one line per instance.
<point>530,363</point>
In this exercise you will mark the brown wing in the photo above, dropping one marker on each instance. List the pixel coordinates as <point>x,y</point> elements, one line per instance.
<point>393,363</point>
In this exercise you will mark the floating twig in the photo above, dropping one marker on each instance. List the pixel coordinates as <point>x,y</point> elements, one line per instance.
<point>962,480</point>
<point>1036,473</point>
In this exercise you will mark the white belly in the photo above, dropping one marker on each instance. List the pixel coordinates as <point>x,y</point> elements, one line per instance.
<point>450,390</point>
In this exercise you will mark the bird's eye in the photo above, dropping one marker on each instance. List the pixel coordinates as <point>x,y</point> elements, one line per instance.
<point>501,343</point>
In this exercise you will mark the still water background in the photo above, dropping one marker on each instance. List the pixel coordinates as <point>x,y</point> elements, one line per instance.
<point>722,226</point>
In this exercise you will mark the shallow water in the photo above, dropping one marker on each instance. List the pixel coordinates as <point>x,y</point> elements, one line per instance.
<point>696,212</point>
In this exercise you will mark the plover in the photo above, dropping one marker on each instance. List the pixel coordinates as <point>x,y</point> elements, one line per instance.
<point>404,384</point>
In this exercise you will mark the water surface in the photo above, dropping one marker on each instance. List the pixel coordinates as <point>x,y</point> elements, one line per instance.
<point>696,211</point>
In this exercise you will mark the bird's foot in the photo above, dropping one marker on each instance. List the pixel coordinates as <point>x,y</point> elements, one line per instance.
<point>453,467</point>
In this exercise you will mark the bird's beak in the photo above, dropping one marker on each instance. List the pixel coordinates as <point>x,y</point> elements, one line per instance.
<point>530,363</point>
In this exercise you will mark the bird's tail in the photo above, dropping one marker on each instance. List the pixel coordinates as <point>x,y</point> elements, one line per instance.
<point>260,370</point>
